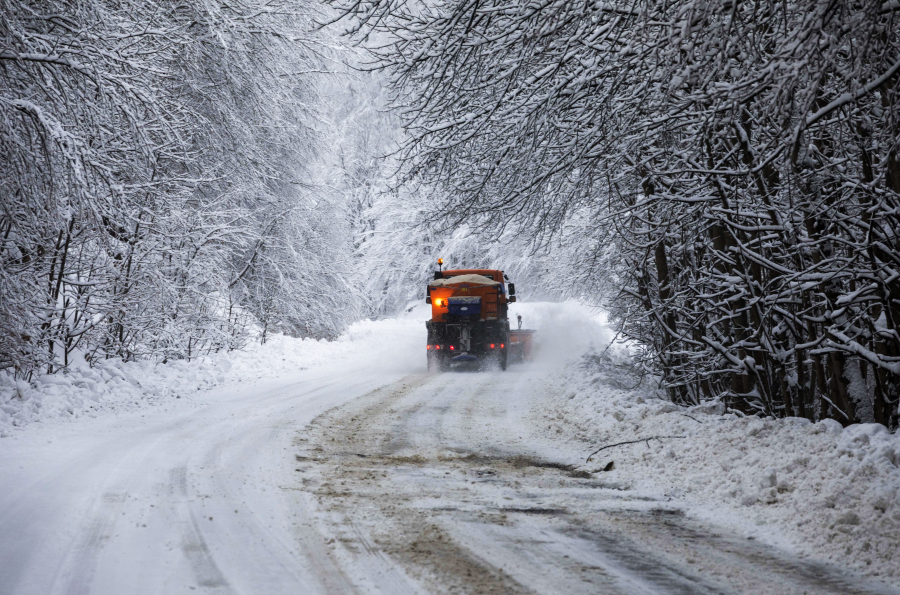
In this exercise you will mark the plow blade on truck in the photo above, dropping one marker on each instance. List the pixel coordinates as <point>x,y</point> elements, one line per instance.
<point>521,342</point>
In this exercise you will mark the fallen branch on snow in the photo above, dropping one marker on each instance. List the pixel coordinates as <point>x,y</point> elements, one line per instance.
<point>647,440</point>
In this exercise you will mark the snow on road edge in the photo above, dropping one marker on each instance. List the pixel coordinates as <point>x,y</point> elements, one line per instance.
<point>112,386</point>
<point>815,489</point>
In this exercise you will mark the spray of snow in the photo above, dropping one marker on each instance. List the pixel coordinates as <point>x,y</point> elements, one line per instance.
<point>564,329</point>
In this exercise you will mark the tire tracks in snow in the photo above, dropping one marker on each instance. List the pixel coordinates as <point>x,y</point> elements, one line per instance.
<point>85,554</point>
<point>194,546</point>
<point>428,474</point>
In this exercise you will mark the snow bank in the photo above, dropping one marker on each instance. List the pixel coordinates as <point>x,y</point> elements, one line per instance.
<point>816,489</point>
<point>394,345</point>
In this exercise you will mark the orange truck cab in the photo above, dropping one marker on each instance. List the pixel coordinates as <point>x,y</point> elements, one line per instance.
<point>469,323</point>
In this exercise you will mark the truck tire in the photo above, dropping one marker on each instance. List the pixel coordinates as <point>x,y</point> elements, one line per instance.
<point>437,362</point>
<point>503,356</point>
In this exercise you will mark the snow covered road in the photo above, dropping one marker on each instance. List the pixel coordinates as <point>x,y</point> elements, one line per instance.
<point>354,478</point>
<point>162,503</point>
<point>452,478</point>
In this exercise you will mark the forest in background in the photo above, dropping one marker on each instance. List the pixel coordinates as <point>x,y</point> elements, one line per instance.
<point>180,178</point>
<point>162,180</point>
<point>183,178</point>
<point>725,174</point>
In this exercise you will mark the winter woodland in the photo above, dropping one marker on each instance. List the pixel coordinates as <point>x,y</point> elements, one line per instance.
<point>724,176</point>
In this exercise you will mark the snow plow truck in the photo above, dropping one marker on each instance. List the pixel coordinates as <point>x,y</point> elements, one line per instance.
<point>469,323</point>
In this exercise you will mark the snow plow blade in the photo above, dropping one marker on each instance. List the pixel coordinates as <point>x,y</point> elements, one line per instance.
<point>464,357</point>
<point>520,344</point>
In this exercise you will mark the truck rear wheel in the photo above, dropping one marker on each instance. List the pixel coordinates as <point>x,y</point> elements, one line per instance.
<point>438,362</point>
<point>494,360</point>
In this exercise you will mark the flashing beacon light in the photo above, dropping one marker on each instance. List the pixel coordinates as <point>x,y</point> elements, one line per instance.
<point>440,263</point>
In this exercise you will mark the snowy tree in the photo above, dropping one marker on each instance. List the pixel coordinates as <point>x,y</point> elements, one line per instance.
<point>734,167</point>
<point>161,187</point>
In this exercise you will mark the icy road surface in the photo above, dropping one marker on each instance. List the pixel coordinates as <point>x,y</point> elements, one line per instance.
<point>355,479</point>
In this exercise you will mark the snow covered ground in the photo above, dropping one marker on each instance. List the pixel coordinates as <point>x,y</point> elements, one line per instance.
<point>159,487</point>
<point>345,467</point>
<point>116,387</point>
<point>815,489</point>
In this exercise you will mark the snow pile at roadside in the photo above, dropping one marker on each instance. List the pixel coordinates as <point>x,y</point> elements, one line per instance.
<point>394,345</point>
<point>817,489</point>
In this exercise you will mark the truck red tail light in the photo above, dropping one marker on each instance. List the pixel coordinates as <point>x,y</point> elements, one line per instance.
<point>428,347</point>
<point>492,345</point>
<point>451,348</point>
<point>502,345</point>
